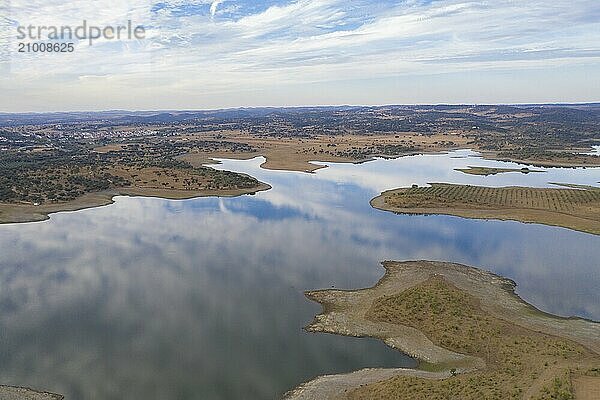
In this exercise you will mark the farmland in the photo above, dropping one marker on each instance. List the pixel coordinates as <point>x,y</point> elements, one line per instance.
<point>576,207</point>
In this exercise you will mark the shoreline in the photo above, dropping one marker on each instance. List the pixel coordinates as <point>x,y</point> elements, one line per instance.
<point>345,312</point>
<point>285,161</point>
<point>304,165</point>
<point>301,163</point>
<point>24,393</point>
<point>490,171</point>
<point>24,213</point>
<point>296,153</point>
<point>486,212</point>
<point>12,213</point>
<point>590,161</point>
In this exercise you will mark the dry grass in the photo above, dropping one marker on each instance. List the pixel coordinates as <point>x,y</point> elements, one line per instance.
<point>516,357</point>
<point>109,147</point>
<point>295,153</point>
<point>586,387</point>
<point>577,209</point>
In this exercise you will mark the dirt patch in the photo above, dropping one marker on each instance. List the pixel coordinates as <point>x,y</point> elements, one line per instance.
<point>587,387</point>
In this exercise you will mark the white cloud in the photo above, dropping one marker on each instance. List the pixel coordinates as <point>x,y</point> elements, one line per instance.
<point>190,55</point>
<point>214,5</point>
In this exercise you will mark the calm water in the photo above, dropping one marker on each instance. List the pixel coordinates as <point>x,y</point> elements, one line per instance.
<point>595,151</point>
<point>202,299</point>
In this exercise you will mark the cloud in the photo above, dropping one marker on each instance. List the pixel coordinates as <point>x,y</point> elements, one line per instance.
<point>270,46</point>
<point>214,5</point>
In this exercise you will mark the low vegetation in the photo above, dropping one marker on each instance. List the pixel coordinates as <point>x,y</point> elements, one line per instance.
<point>515,357</point>
<point>577,207</point>
<point>473,336</point>
<point>62,175</point>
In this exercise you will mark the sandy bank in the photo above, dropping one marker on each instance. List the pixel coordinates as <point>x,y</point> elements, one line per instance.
<point>19,393</point>
<point>355,313</point>
<point>19,213</point>
<point>296,154</point>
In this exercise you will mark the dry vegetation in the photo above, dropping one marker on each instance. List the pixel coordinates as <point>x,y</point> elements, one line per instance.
<point>475,339</point>
<point>295,153</point>
<point>576,208</point>
<point>516,357</point>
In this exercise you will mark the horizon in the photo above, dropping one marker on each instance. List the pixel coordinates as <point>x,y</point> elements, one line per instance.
<point>557,104</point>
<point>224,54</point>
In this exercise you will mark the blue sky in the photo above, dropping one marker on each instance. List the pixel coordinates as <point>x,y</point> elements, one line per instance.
<point>201,54</point>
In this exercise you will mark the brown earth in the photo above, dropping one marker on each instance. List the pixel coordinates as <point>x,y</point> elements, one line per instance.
<point>587,387</point>
<point>487,171</point>
<point>295,154</point>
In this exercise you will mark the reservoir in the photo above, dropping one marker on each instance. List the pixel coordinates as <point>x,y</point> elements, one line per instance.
<point>203,298</point>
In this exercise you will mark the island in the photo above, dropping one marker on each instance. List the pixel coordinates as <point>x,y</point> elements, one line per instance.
<point>487,171</point>
<point>473,336</point>
<point>575,207</point>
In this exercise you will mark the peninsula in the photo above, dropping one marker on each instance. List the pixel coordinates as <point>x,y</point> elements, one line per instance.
<point>576,207</point>
<point>474,338</point>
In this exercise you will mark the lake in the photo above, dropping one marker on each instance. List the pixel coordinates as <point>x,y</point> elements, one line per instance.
<point>203,299</point>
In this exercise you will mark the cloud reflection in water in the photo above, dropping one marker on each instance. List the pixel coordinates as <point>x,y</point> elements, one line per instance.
<point>150,298</point>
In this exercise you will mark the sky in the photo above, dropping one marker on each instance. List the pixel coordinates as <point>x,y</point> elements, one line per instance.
<point>204,54</point>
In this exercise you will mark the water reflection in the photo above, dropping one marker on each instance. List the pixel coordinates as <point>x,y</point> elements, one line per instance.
<point>595,151</point>
<point>202,298</point>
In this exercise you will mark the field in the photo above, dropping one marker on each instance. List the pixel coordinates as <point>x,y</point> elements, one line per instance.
<point>576,208</point>
<point>474,337</point>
